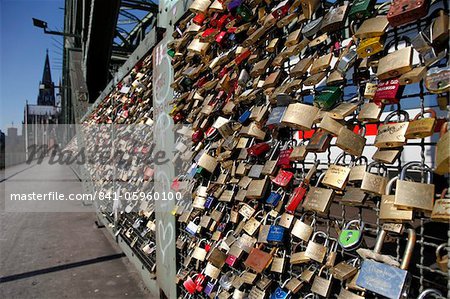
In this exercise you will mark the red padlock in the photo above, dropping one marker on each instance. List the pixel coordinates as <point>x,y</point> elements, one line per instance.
<point>297,197</point>
<point>258,149</point>
<point>242,57</point>
<point>220,38</point>
<point>224,20</point>
<point>190,285</point>
<point>281,11</point>
<point>283,178</point>
<point>388,92</point>
<point>199,18</point>
<point>231,260</point>
<point>199,282</point>
<point>402,12</point>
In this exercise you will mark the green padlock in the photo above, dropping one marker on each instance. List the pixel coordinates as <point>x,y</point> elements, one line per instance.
<point>350,239</point>
<point>361,9</point>
<point>328,97</point>
<point>244,12</point>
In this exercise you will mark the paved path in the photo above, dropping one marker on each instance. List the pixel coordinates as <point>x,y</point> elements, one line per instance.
<point>57,254</point>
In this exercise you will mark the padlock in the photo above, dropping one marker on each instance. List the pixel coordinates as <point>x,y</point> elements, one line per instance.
<point>257,188</point>
<point>437,79</point>
<point>283,178</point>
<point>373,27</point>
<point>353,196</point>
<point>330,125</point>
<point>309,7</point>
<point>349,239</point>
<point>421,127</point>
<point>332,254</point>
<point>192,227</point>
<point>319,142</point>
<point>258,260</point>
<point>190,285</point>
<point>274,197</point>
<point>347,294</point>
<point>296,198</point>
<point>322,285</point>
<point>384,279</point>
<point>388,92</point>
<point>336,176</point>
<point>335,18</point>
<point>442,260</point>
<point>395,64</point>
<point>361,9</point>
<point>321,64</point>
<point>299,257</point>
<point>276,232</point>
<point>403,12</point>
<point>315,250</point>
<point>370,112</point>
<point>375,183</point>
<point>318,199</point>
<point>299,116</point>
<point>392,134</point>
<point>328,97</point>
<point>442,151</point>
<point>344,270</point>
<point>280,292</point>
<point>413,76</point>
<point>414,195</point>
<point>302,230</point>
<point>278,262</point>
<point>350,142</point>
<point>252,225</point>
<point>358,166</point>
<point>387,209</point>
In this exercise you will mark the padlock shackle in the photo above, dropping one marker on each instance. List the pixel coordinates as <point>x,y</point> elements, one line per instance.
<point>439,249</point>
<point>389,185</point>
<point>397,113</point>
<point>407,255</point>
<point>429,291</point>
<point>423,167</point>
<point>319,180</point>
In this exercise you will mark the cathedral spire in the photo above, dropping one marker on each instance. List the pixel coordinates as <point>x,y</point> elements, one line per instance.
<point>46,88</point>
<point>46,75</point>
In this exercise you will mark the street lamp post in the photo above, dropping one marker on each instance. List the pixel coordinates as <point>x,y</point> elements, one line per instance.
<point>42,24</point>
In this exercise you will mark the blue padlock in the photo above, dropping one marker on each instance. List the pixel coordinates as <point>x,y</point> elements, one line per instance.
<point>276,232</point>
<point>210,287</point>
<point>281,293</point>
<point>244,116</point>
<point>274,198</point>
<point>210,200</point>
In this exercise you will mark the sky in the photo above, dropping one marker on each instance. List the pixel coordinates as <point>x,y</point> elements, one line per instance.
<point>22,53</point>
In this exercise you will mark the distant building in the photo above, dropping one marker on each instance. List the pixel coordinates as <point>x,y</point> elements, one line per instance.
<point>40,118</point>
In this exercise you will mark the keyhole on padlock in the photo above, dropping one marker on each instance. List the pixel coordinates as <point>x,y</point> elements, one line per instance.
<point>349,236</point>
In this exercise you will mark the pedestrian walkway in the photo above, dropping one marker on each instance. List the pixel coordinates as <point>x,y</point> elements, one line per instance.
<point>57,254</point>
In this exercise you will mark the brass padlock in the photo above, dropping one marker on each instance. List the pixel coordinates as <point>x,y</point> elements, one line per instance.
<point>439,31</point>
<point>392,134</point>
<point>278,262</point>
<point>330,125</point>
<point>442,260</point>
<point>358,169</point>
<point>373,27</point>
<point>414,195</point>
<point>298,257</point>
<point>318,199</point>
<point>317,251</point>
<point>344,109</point>
<point>336,176</point>
<point>299,116</point>
<point>413,76</point>
<point>370,112</point>
<point>387,209</point>
<point>200,6</point>
<point>344,270</point>
<point>442,151</point>
<point>321,64</point>
<point>395,64</point>
<point>350,142</point>
<point>375,183</point>
<point>441,209</point>
<point>309,7</point>
<point>302,230</point>
<point>421,127</point>
<point>335,18</point>
<point>322,286</point>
